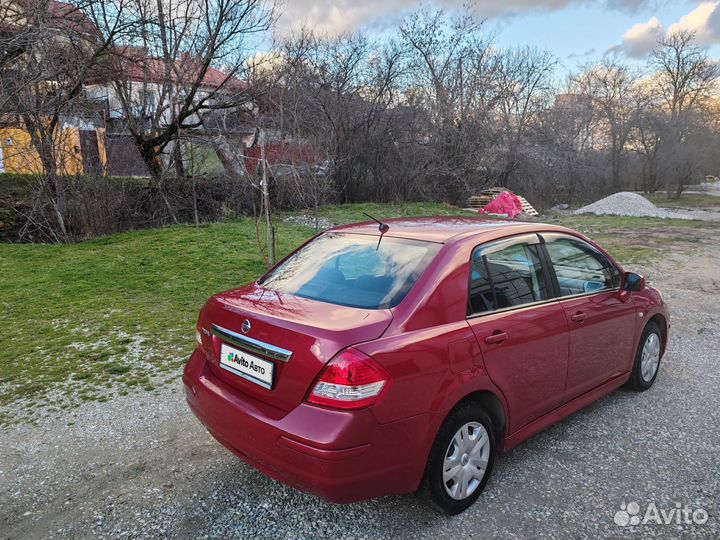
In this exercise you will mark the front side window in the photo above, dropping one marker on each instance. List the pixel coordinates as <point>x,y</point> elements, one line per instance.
<point>580,268</point>
<point>353,270</point>
<point>503,277</point>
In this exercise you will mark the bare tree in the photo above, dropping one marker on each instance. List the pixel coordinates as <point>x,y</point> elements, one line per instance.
<point>331,98</point>
<point>648,133</point>
<point>52,51</point>
<point>451,79</point>
<point>611,87</point>
<point>568,129</point>
<point>525,88</point>
<point>166,78</point>
<point>685,78</point>
<point>433,111</point>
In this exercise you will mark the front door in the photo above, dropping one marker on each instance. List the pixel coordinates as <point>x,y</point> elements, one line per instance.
<point>521,330</point>
<point>601,320</point>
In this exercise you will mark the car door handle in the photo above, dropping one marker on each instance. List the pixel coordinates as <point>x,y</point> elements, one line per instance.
<point>578,317</point>
<point>497,337</point>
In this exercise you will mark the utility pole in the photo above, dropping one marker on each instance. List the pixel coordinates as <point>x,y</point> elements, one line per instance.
<point>269,236</point>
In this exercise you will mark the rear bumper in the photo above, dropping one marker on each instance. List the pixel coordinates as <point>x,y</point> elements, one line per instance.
<point>341,456</point>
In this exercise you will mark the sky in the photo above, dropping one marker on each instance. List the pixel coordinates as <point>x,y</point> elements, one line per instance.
<point>574,30</point>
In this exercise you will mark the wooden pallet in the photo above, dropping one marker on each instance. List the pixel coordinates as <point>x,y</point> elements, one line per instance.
<point>479,201</point>
<point>527,207</point>
<point>487,195</point>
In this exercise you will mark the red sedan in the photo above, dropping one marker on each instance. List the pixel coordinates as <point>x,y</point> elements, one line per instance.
<point>374,362</point>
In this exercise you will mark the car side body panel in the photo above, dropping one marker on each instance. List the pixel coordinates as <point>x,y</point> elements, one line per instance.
<point>530,366</point>
<point>562,412</point>
<point>602,343</point>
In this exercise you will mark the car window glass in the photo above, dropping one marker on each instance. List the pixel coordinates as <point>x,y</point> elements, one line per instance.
<point>353,270</point>
<point>362,261</point>
<point>505,278</point>
<point>481,293</point>
<point>579,268</point>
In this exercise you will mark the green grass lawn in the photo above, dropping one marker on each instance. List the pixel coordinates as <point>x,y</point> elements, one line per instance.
<point>686,200</point>
<point>90,320</point>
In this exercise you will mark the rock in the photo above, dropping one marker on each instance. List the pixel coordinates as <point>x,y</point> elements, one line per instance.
<point>626,203</point>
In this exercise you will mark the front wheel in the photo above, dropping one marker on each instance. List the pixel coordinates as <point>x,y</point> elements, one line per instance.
<point>460,460</point>
<point>647,358</point>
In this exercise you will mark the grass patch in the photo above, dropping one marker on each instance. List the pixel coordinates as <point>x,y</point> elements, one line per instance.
<point>122,308</point>
<point>341,214</point>
<point>105,316</point>
<point>637,240</point>
<point>116,368</point>
<point>686,200</point>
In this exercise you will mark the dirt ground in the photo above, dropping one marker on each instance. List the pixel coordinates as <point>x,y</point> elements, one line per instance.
<point>141,466</point>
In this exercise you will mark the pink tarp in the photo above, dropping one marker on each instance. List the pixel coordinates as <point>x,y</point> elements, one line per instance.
<point>505,203</point>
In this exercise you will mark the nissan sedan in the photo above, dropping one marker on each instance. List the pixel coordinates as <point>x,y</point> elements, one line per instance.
<point>377,361</point>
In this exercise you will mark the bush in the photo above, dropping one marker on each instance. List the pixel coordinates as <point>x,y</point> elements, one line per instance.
<point>96,206</point>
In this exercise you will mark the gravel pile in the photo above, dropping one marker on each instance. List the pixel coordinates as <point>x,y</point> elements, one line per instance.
<point>709,187</point>
<point>627,203</point>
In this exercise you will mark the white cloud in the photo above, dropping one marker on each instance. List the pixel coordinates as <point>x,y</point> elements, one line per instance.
<point>580,55</point>
<point>334,16</point>
<point>713,22</point>
<point>697,21</point>
<point>639,40</point>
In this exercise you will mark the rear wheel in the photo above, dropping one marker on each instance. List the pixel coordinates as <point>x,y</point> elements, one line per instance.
<point>647,358</point>
<point>460,460</point>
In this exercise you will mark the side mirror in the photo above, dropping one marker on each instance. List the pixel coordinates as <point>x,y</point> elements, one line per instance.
<point>632,282</point>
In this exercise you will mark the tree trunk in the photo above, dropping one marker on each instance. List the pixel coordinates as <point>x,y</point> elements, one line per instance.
<point>44,145</point>
<point>151,157</point>
<point>680,187</point>
<point>615,169</point>
<point>230,158</point>
<point>195,201</point>
<point>653,179</point>
<point>178,159</point>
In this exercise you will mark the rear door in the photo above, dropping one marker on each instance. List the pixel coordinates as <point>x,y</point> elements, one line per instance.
<point>520,328</point>
<point>601,322</point>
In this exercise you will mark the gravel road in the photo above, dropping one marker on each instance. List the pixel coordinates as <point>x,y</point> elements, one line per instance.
<point>142,467</point>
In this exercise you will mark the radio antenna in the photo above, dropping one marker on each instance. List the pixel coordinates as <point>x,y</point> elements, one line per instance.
<point>382,227</point>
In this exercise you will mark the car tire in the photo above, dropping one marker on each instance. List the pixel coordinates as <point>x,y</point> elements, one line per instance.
<point>647,358</point>
<point>465,440</point>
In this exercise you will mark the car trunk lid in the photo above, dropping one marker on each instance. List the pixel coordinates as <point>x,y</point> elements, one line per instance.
<point>297,335</point>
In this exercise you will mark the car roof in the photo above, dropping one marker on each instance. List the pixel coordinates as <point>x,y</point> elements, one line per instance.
<point>443,229</point>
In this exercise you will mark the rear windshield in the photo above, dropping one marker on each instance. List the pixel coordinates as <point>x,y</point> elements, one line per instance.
<point>352,270</point>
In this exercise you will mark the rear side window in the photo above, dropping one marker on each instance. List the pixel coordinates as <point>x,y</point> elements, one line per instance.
<point>353,270</point>
<point>505,277</point>
<point>580,268</point>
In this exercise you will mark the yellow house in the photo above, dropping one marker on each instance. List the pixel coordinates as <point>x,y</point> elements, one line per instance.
<point>18,155</point>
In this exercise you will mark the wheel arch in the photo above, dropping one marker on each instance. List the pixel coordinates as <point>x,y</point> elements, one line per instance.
<point>493,405</point>
<point>661,321</point>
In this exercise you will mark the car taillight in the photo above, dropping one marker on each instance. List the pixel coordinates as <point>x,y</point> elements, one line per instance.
<point>350,381</point>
